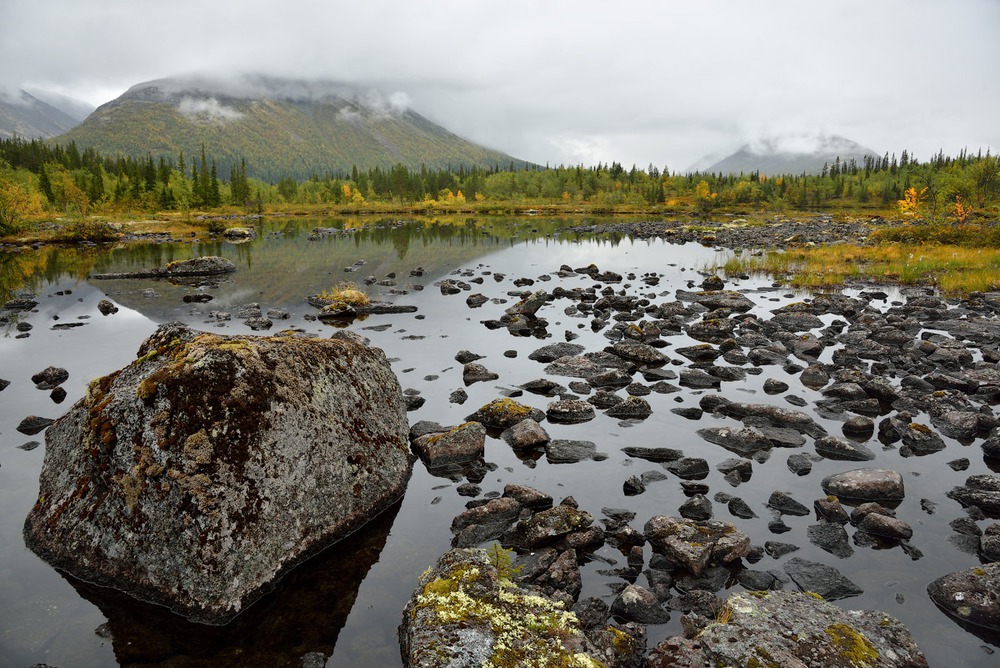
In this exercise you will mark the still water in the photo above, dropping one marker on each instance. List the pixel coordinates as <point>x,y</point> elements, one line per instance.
<point>344,606</point>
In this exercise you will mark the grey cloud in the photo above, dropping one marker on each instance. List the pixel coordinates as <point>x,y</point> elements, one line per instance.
<point>585,81</point>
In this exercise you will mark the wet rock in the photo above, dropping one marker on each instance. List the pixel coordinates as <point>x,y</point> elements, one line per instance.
<point>696,545</point>
<point>476,300</point>
<point>775,415</point>
<point>473,372</point>
<point>529,305</point>
<point>774,386</point>
<point>465,357</point>
<point>830,538</point>
<point>688,468</point>
<point>814,376</point>
<point>638,604</point>
<point>525,434</point>
<point>881,485</point>
<point>777,549</point>
<point>562,451</point>
<point>486,522</point>
<point>569,411</point>
<point>501,414</point>
<point>658,455</point>
<point>717,299</point>
<point>712,330</point>
<point>825,635</point>
<point>858,427</point>
<point>33,424</point>
<point>696,508</point>
<point>885,526</point>
<point>551,353</point>
<point>203,496</point>
<point>458,444</point>
<point>528,497</point>
<point>58,395</point>
<point>969,596</point>
<point>700,354</point>
<point>106,307</point>
<point>800,464</point>
<point>633,486</point>
<point>458,397</point>
<point>699,380</point>
<point>961,425</point>
<point>49,378</point>
<point>840,449</point>
<point>544,387</point>
<point>980,491</point>
<point>604,399</point>
<point>466,613</point>
<point>4,384</point>
<point>745,441</point>
<point>547,527</point>
<point>831,510</point>
<point>574,367</point>
<point>786,505</point>
<point>921,439</point>
<point>642,353</point>
<point>821,579</point>
<point>613,378</point>
<point>632,408</point>
<point>739,508</point>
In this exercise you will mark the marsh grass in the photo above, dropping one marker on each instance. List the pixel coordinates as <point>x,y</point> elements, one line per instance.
<point>955,270</point>
<point>347,293</point>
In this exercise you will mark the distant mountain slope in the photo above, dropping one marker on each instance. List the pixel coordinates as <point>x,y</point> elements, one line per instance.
<point>791,154</point>
<point>282,127</point>
<point>28,117</point>
<point>72,107</point>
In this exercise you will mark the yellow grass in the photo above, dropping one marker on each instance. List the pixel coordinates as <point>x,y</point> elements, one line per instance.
<point>347,293</point>
<point>953,269</point>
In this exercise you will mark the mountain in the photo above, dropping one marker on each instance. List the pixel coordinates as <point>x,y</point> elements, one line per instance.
<point>788,154</point>
<point>72,107</point>
<point>281,127</point>
<point>28,117</point>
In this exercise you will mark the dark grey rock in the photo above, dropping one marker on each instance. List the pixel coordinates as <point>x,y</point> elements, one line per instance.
<point>821,579</point>
<point>833,447</point>
<point>50,378</point>
<point>268,507</point>
<point>865,485</point>
<point>696,545</point>
<point>638,604</point>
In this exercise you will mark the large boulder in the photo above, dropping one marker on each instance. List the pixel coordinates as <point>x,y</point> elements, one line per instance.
<point>779,628</point>
<point>205,469</point>
<point>467,611</point>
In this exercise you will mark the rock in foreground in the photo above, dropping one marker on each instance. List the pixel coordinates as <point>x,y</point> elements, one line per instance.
<point>970,595</point>
<point>200,473</point>
<point>790,629</point>
<point>467,613</point>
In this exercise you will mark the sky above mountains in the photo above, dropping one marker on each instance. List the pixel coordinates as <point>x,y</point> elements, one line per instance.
<point>568,82</point>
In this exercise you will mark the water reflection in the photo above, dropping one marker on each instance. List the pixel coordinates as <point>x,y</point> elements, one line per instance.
<point>296,624</point>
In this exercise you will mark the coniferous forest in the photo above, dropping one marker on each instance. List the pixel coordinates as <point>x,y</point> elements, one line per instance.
<point>39,179</point>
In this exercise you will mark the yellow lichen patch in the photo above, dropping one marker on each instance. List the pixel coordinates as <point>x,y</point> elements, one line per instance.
<point>852,645</point>
<point>529,631</point>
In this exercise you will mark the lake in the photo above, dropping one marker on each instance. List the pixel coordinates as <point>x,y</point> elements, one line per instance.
<point>344,606</point>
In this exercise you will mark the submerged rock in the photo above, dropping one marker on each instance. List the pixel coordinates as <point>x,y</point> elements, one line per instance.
<point>207,468</point>
<point>779,628</point>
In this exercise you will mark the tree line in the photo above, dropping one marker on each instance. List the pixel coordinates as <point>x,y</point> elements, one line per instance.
<point>38,178</point>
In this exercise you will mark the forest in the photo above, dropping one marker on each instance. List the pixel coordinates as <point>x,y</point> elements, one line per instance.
<point>39,181</point>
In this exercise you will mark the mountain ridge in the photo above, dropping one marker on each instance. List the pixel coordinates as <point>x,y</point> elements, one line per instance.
<point>26,116</point>
<point>787,154</point>
<point>282,127</point>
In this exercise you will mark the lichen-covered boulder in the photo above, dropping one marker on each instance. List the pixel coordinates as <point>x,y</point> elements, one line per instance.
<point>468,612</point>
<point>205,469</point>
<point>779,628</point>
<point>970,595</point>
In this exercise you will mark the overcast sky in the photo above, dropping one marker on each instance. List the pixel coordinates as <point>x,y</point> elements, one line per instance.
<point>580,81</point>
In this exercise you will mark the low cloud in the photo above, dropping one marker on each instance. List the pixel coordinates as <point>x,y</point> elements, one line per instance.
<point>207,110</point>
